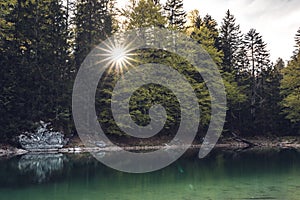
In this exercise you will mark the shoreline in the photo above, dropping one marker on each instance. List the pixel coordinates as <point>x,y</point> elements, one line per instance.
<point>289,142</point>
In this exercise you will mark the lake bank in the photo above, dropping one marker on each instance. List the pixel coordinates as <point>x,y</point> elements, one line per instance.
<point>76,146</point>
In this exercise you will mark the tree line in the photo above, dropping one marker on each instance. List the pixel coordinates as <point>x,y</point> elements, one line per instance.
<point>44,42</point>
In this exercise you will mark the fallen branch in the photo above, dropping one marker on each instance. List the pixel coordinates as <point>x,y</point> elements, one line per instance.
<point>239,139</point>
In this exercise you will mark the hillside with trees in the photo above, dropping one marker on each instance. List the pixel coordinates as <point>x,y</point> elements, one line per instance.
<point>44,42</point>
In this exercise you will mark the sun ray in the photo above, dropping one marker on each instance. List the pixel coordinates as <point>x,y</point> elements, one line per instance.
<point>116,56</point>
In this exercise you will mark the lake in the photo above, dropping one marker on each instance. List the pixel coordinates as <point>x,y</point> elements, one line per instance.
<point>224,174</point>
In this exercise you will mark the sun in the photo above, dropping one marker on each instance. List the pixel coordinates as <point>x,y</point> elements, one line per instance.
<point>117,56</point>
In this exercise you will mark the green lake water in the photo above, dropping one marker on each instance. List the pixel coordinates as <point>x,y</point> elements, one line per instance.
<point>268,174</point>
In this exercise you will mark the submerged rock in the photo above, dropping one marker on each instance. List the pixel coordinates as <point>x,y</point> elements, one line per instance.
<point>42,139</point>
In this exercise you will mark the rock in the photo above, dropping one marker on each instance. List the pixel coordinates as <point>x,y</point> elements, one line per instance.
<point>100,144</point>
<point>64,150</point>
<point>20,151</point>
<point>77,149</point>
<point>42,139</point>
<point>71,149</point>
<point>12,151</point>
<point>2,152</point>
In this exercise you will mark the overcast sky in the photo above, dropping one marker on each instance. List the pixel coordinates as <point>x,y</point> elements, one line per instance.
<point>276,20</point>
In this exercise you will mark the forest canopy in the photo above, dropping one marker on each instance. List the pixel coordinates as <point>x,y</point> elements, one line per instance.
<point>44,42</point>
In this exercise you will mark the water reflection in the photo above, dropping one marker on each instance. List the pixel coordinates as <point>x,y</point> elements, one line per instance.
<point>41,166</point>
<point>268,174</point>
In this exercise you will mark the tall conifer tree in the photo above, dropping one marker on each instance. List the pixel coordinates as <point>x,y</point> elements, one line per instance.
<point>175,14</point>
<point>230,39</point>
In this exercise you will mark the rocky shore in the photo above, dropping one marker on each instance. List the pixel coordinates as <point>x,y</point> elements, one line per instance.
<point>76,146</point>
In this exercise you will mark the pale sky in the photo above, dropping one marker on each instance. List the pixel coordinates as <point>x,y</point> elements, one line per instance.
<point>276,20</point>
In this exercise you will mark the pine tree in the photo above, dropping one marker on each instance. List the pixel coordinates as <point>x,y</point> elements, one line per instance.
<point>114,13</point>
<point>204,36</point>
<point>175,14</point>
<point>274,121</point>
<point>242,64</point>
<point>233,62</point>
<point>290,87</point>
<point>195,19</point>
<point>8,80</point>
<point>38,64</point>
<point>230,39</point>
<point>290,90</point>
<point>212,25</point>
<point>297,39</point>
<point>257,53</point>
<point>297,44</point>
<point>146,14</point>
<point>196,23</point>
<point>259,68</point>
<point>93,23</point>
<point>268,119</point>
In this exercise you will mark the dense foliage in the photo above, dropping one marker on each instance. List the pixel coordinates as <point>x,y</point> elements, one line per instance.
<point>43,42</point>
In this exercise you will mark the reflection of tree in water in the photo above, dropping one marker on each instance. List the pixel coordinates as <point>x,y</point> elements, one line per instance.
<point>41,165</point>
